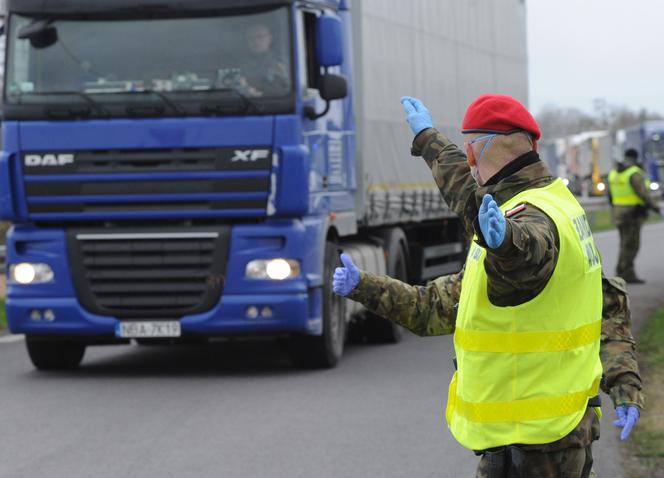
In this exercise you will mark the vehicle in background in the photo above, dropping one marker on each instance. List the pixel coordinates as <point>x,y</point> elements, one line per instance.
<point>553,154</point>
<point>589,159</point>
<point>188,170</point>
<point>648,139</point>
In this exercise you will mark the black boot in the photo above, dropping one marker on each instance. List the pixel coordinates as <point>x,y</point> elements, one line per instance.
<point>635,280</point>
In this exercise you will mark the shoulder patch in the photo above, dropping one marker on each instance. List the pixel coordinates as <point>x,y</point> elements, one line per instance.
<point>515,210</point>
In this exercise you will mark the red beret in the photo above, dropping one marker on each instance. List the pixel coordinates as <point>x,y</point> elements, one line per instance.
<point>499,114</point>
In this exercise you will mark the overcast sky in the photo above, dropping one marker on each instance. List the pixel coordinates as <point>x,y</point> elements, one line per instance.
<point>585,49</point>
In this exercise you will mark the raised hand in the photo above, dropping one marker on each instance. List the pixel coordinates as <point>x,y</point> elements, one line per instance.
<point>345,278</point>
<point>492,222</point>
<point>417,114</point>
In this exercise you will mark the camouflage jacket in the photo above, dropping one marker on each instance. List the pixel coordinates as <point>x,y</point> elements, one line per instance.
<point>520,268</point>
<point>517,271</point>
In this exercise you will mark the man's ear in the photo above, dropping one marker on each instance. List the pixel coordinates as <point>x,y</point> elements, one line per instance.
<point>470,155</point>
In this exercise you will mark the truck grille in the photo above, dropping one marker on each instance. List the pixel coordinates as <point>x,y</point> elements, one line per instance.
<point>148,273</point>
<point>130,184</point>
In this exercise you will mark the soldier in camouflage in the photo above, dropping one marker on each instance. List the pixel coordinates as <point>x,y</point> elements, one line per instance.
<point>517,271</point>
<point>629,215</point>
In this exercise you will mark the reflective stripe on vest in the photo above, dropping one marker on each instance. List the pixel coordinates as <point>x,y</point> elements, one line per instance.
<point>525,373</point>
<point>527,409</point>
<point>622,192</point>
<point>525,342</point>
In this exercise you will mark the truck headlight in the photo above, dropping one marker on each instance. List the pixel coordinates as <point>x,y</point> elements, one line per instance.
<point>273,269</point>
<point>29,273</point>
<point>601,187</point>
<point>654,186</point>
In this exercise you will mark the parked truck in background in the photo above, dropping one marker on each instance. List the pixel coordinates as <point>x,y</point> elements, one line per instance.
<point>648,139</point>
<point>589,158</point>
<point>158,193</point>
<point>553,154</point>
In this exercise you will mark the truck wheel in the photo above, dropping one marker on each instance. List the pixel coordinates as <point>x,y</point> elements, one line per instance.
<point>54,355</point>
<point>379,330</point>
<point>324,351</point>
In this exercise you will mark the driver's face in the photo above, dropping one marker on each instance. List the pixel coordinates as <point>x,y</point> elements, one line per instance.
<point>259,38</point>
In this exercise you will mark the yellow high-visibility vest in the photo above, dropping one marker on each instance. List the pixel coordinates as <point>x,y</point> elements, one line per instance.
<point>622,192</point>
<point>525,373</point>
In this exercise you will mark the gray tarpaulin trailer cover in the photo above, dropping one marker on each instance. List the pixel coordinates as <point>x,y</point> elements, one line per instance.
<point>446,52</point>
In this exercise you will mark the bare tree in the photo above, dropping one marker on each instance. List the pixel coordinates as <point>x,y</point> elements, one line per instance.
<point>557,122</point>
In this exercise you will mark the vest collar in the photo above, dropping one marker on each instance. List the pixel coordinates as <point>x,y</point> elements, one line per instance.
<point>518,164</point>
<point>525,172</point>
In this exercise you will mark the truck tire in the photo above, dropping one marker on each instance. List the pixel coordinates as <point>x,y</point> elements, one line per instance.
<point>379,330</point>
<point>325,350</point>
<point>54,355</point>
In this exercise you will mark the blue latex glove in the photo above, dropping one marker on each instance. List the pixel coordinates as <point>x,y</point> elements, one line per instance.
<point>346,278</point>
<point>628,417</point>
<point>417,114</point>
<point>492,222</point>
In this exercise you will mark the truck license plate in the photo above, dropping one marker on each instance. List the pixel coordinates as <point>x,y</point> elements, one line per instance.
<point>137,330</point>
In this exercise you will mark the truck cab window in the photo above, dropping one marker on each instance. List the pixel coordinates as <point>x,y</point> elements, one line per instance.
<point>309,69</point>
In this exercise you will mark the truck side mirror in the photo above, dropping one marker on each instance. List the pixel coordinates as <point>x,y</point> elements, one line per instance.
<point>329,41</point>
<point>331,87</point>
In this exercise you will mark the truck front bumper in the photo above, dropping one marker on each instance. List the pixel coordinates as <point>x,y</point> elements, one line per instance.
<point>300,313</point>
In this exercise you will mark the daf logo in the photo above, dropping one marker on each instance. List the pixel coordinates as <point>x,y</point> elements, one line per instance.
<point>250,155</point>
<point>33,160</point>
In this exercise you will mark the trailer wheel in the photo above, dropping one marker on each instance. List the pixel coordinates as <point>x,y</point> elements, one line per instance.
<point>54,355</point>
<point>379,330</point>
<point>324,351</point>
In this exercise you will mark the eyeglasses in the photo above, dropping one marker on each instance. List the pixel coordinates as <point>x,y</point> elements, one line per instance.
<point>486,137</point>
<point>480,138</point>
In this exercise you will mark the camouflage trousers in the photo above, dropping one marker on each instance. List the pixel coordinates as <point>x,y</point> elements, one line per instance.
<point>569,457</point>
<point>516,462</point>
<point>630,241</point>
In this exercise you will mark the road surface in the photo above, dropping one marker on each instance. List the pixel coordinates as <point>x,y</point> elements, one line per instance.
<point>240,410</point>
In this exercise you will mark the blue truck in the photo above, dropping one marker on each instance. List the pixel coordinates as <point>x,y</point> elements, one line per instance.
<point>180,170</point>
<point>648,139</point>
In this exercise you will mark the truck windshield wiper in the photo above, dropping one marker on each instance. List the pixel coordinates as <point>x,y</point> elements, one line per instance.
<point>247,102</point>
<point>101,111</point>
<point>165,99</point>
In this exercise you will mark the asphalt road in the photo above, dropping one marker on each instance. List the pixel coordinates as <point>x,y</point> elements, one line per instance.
<point>240,410</point>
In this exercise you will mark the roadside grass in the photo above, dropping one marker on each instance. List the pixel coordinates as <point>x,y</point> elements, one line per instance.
<point>3,318</point>
<point>600,220</point>
<point>646,447</point>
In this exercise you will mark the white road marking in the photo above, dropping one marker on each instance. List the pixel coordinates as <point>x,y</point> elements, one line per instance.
<point>7,339</point>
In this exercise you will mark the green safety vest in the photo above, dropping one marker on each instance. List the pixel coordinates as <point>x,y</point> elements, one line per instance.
<point>525,373</point>
<point>622,192</point>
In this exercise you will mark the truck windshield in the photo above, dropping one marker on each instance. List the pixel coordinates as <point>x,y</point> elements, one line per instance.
<point>229,64</point>
<point>656,149</point>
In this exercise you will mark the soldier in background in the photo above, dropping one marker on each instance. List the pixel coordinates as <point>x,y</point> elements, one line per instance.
<point>512,282</point>
<point>629,193</point>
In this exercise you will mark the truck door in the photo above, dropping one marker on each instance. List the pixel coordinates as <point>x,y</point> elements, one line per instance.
<point>329,138</point>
